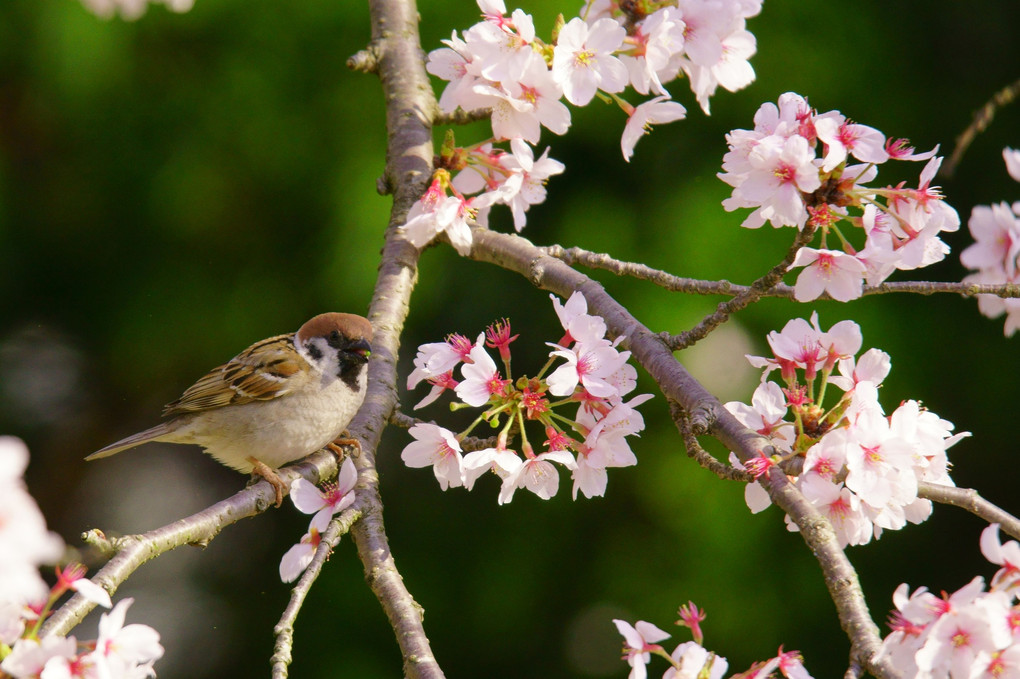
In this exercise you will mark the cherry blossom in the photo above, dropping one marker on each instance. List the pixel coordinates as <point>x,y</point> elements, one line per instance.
<point>1012,159</point>
<point>121,648</point>
<point>525,182</point>
<point>481,378</point>
<point>330,500</point>
<point>537,474</point>
<point>593,378</point>
<point>436,447</point>
<point>639,123</point>
<point>639,640</point>
<point>860,468</point>
<point>837,273</point>
<point>298,557</point>
<point>996,231</point>
<point>583,62</point>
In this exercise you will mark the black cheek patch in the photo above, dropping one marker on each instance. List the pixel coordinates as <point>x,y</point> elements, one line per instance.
<point>314,351</point>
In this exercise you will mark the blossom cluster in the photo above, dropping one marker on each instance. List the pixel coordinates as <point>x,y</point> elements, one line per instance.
<point>796,167</point>
<point>996,230</point>
<point>323,503</point>
<point>120,652</point>
<point>501,65</point>
<point>860,467</point>
<point>132,9</point>
<point>969,634</point>
<point>690,660</point>
<point>594,377</point>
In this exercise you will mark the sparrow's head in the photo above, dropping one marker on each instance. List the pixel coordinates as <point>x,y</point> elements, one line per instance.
<point>338,344</point>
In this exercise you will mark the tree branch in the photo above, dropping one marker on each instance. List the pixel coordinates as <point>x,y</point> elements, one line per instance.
<point>700,455</point>
<point>132,551</point>
<point>707,416</point>
<point>744,298</point>
<point>982,119</point>
<point>694,286</point>
<point>971,500</point>
<point>284,630</point>
<point>410,108</point>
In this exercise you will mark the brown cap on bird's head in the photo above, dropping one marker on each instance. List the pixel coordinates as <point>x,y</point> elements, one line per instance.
<point>350,326</point>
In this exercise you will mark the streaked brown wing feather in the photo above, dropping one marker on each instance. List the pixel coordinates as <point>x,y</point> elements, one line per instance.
<point>261,372</point>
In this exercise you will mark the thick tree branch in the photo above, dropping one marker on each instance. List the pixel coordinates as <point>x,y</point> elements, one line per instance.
<point>707,417</point>
<point>410,108</point>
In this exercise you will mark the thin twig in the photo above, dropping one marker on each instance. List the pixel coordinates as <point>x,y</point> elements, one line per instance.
<point>695,286</point>
<point>982,119</point>
<point>284,630</point>
<point>743,299</point>
<point>700,455</point>
<point>971,500</point>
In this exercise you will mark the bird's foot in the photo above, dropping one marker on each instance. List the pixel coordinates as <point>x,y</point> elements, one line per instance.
<point>336,446</point>
<point>260,468</point>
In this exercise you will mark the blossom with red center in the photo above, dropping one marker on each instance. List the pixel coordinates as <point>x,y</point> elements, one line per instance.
<point>332,499</point>
<point>758,466</point>
<point>558,440</point>
<point>900,149</point>
<point>481,378</point>
<point>438,448</point>
<point>534,403</point>
<point>837,273</point>
<point>73,577</point>
<point>638,643</point>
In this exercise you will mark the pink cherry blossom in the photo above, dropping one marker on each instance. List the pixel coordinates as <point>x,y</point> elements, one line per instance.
<point>639,639</point>
<point>639,123</point>
<point>837,273</point>
<point>437,358</point>
<point>438,448</point>
<point>538,475</point>
<point>525,184</point>
<point>481,378</point>
<point>692,660</point>
<point>587,365</point>
<point>843,138</point>
<point>121,648</point>
<point>438,213</point>
<point>658,40</point>
<point>583,60</point>
<point>499,461</point>
<point>1005,555</point>
<point>328,502</point>
<point>780,170</point>
<point>298,557</point>
<point>1012,158</point>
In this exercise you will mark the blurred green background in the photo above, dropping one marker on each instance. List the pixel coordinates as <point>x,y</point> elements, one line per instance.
<point>176,188</point>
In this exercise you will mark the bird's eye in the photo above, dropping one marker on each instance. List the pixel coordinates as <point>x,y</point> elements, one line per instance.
<point>334,336</point>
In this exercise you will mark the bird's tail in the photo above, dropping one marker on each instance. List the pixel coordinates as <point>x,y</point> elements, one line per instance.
<point>153,434</point>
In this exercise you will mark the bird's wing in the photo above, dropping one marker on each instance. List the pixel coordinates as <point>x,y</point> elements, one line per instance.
<point>265,370</point>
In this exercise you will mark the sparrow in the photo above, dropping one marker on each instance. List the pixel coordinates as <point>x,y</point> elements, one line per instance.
<point>275,402</point>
